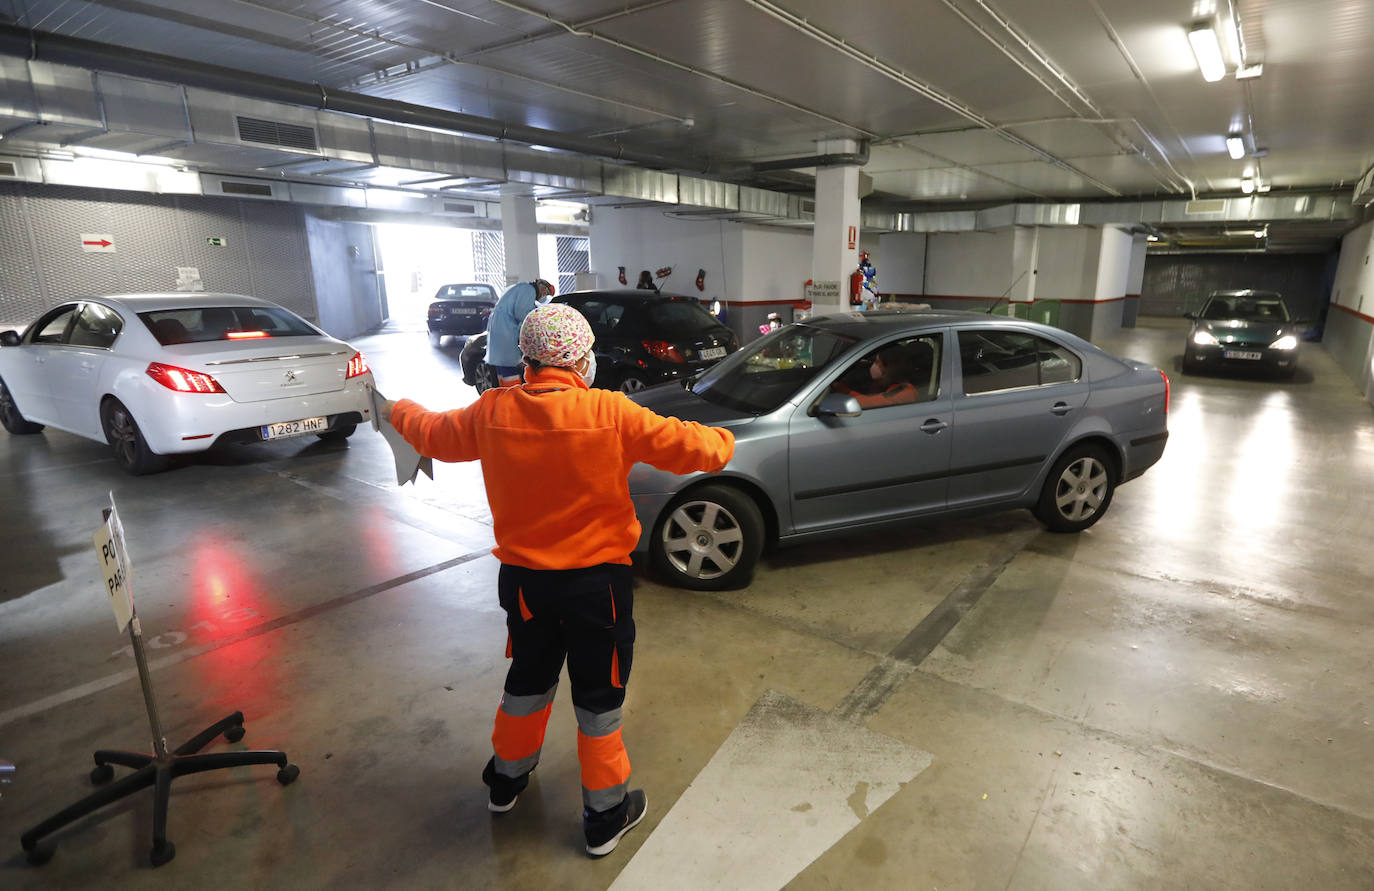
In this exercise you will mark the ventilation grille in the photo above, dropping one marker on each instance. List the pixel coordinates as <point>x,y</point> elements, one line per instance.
<point>293,136</point>
<point>1206,205</point>
<point>257,190</point>
<point>7,168</point>
<point>455,207</point>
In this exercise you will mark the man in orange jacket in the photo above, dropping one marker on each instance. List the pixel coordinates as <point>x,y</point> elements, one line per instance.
<point>556,458</point>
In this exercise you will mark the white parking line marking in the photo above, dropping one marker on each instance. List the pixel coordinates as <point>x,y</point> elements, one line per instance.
<point>784,787</point>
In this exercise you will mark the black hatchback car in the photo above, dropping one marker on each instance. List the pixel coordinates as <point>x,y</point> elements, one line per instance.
<point>1246,330</point>
<point>459,310</point>
<point>642,338</point>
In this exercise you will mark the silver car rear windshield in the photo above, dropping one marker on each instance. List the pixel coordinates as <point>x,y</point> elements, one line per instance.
<point>201,324</point>
<point>765,374</point>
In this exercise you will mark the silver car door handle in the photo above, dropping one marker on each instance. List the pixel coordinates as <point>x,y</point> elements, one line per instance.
<point>1061,408</point>
<point>934,425</point>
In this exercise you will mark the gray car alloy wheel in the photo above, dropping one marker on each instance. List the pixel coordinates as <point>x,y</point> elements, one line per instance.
<point>702,540</point>
<point>1081,489</point>
<point>632,383</point>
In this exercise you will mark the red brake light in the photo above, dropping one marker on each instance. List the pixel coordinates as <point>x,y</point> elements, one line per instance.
<point>356,366</point>
<point>663,351</point>
<point>245,335</point>
<point>1166,391</point>
<point>183,380</point>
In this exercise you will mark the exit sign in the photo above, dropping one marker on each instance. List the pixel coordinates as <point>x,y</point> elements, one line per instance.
<point>216,241</point>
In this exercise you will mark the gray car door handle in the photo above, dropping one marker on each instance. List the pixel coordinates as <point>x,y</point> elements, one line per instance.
<point>934,425</point>
<point>1061,408</point>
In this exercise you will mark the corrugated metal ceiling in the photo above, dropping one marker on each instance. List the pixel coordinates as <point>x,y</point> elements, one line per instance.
<point>963,99</point>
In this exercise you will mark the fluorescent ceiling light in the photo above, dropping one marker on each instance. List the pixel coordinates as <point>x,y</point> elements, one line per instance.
<point>1235,146</point>
<point>82,151</point>
<point>1207,50</point>
<point>1247,185</point>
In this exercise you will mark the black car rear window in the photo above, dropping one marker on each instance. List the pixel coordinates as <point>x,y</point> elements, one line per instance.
<point>466,292</point>
<point>201,324</point>
<point>681,316</point>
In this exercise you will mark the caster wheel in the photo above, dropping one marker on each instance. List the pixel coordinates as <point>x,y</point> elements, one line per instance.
<point>287,775</point>
<point>39,854</point>
<point>101,774</point>
<point>163,853</point>
<point>235,733</point>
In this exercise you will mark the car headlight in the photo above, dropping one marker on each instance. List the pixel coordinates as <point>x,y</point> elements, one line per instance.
<point>1205,338</point>
<point>1286,342</point>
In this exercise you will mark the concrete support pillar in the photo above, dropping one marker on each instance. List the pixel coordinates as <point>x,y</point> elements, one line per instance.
<point>520,235</point>
<point>1135,277</point>
<point>1025,262</point>
<point>835,239</point>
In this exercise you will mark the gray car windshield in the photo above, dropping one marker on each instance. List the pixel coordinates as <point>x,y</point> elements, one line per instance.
<point>766,373</point>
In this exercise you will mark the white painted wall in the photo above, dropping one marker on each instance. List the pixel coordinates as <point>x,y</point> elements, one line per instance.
<point>1354,283</point>
<point>1350,339</point>
<point>969,264</point>
<point>774,264</point>
<point>901,263</point>
<point>1113,264</point>
<point>644,238</point>
<point>1068,263</point>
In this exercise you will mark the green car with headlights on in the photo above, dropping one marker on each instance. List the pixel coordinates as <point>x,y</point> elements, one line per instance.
<point>1243,330</point>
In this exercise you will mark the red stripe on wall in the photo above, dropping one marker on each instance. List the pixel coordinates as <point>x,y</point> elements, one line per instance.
<point>1356,314</point>
<point>919,298</point>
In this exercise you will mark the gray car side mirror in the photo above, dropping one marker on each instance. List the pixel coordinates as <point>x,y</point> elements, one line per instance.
<point>838,405</point>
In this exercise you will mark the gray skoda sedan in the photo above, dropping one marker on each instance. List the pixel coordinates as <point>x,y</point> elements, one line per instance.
<point>858,420</point>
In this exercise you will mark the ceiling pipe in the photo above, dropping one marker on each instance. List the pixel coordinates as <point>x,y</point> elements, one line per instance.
<point>848,159</point>
<point>74,51</point>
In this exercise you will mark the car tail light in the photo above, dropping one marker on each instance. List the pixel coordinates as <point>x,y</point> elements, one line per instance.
<point>436,312</point>
<point>183,380</point>
<point>1166,391</point>
<point>663,351</point>
<point>356,366</point>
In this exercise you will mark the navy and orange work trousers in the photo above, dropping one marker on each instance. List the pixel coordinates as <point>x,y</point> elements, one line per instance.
<point>586,618</point>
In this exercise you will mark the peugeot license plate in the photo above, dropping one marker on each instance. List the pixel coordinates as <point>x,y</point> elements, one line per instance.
<point>1240,354</point>
<point>713,353</point>
<point>461,310</point>
<point>294,428</point>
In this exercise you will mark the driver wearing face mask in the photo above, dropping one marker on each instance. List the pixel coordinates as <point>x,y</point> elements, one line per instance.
<point>556,457</point>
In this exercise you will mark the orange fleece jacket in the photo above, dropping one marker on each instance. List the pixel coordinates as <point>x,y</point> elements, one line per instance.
<point>556,459</point>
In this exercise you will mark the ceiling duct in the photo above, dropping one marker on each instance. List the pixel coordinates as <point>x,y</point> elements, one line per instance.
<point>840,159</point>
<point>44,46</point>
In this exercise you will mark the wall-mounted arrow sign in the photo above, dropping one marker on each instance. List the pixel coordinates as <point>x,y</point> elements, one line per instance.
<point>98,243</point>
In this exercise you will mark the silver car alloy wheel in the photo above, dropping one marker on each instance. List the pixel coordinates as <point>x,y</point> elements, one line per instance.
<point>702,540</point>
<point>1081,489</point>
<point>631,384</point>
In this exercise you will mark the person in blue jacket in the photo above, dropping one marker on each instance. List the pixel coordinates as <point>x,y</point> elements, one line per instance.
<point>503,329</point>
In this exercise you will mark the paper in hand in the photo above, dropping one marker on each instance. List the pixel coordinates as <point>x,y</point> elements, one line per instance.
<point>409,462</point>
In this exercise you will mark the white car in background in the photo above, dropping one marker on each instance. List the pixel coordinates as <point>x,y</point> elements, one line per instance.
<point>160,374</point>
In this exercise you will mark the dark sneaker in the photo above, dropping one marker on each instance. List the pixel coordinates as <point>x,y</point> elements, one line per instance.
<point>504,790</point>
<point>604,828</point>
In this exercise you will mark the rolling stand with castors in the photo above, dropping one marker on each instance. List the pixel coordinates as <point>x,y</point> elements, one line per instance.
<point>157,769</point>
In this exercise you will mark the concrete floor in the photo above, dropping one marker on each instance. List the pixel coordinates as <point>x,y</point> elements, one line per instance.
<point>1178,698</point>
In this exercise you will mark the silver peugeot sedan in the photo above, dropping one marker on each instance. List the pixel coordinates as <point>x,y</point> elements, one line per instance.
<point>856,420</point>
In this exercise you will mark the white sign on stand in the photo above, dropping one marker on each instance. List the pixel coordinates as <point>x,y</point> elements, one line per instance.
<point>115,567</point>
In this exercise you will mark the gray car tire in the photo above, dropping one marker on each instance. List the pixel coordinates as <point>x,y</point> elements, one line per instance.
<point>709,539</point>
<point>1078,490</point>
<point>10,417</point>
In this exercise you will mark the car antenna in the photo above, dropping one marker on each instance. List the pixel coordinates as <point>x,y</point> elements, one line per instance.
<point>1006,292</point>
